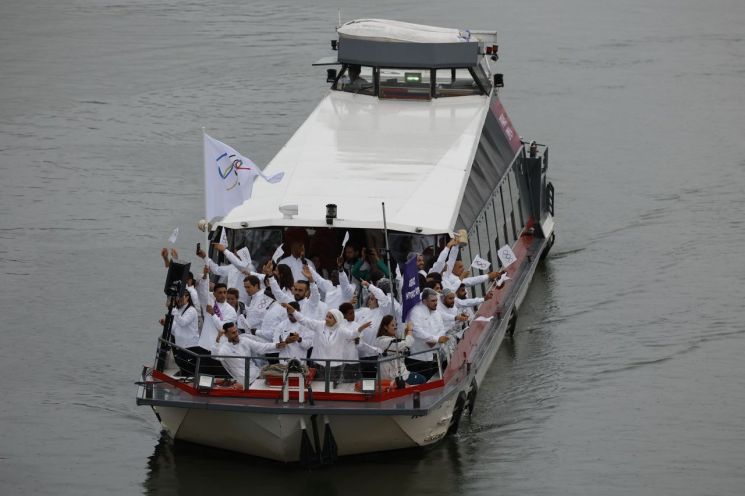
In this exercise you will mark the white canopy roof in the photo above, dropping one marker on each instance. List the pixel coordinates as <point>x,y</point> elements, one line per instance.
<point>386,30</point>
<point>356,151</point>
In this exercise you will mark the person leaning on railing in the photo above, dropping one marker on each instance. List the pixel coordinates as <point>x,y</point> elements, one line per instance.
<point>391,346</point>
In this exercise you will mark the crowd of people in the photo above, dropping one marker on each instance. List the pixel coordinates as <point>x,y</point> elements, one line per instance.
<point>345,321</point>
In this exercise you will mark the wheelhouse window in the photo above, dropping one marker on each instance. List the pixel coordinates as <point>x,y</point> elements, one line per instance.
<point>455,82</point>
<point>405,84</point>
<point>413,83</point>
<point>356,79</point>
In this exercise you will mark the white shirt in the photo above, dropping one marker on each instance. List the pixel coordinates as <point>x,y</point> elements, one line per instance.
<point>366,347</point>
<point>230,275</point>
<point>312,307</point>
<point>327,343</point>
<point>428,327</point>
<point>396,367</point>
<point>236,367</point>
<point>213,324</point>
<point>335,295</point>
<point>293,350</point>
<point>185,327</point>
<point>296,266</point>
<point>466,306</point>
<point>256,310</point>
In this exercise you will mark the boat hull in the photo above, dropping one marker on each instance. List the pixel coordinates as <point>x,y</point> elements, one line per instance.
<point>279,436</point>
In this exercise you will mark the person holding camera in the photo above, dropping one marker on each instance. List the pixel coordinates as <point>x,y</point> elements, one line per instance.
<point>392,346</point>
<point>296,338</point>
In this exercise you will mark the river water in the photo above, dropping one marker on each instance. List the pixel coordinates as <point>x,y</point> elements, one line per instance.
<point>625,375</point>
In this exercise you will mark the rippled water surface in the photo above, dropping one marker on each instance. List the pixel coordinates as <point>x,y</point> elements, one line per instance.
<point>626,373</point>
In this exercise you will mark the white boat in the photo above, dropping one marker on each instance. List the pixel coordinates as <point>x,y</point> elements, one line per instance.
<point>424,132</point>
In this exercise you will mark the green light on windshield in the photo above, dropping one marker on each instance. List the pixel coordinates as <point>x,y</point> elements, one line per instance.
<point>413,77</point>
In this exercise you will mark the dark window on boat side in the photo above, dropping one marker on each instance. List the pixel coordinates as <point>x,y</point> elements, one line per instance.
<point>483,247</point>
<point>506,238</point>
<point>497,212</point>
<point>493,230</point>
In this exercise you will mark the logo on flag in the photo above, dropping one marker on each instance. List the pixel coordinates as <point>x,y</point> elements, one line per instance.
<point>228,177</point>
<point>480,263</point>
<point>507,256</point>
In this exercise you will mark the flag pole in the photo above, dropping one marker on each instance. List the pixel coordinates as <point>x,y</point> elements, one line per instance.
<point>207,221</point>
<point>388,260</point>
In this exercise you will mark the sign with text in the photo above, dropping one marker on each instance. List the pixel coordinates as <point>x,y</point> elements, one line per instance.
<point>410,290</point>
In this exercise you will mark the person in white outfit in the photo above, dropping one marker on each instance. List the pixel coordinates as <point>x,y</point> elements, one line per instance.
<point>392,346</point>
<point>297,338</point>
<point>231,349</point>
<point>185,334</point>
<point>329,337</point>
<point>429,331</point>
<point>296,260</point>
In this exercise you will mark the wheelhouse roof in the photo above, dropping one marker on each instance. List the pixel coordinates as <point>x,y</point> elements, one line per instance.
<point>380,42</point>
<point>357,151</point>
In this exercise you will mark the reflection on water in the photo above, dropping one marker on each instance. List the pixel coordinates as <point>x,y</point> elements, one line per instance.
<point>185,468</point>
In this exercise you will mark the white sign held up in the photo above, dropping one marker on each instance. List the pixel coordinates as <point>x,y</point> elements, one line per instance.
<point>278,253</point>
<point>507,256</point>
<point>480,263</point>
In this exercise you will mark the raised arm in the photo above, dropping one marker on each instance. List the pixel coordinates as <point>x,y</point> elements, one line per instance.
<point>279,295</point>
<point>237,262</point>
<point>439,264</point>
<point>347,290</point>
<point>452,257</point>
<point>323,284</point>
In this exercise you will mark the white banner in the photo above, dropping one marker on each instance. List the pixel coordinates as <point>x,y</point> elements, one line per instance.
<point>228,177</point>
<point>507,256</point>
<point>480,263</point>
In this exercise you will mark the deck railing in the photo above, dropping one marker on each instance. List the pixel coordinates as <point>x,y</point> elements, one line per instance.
<point>202,369</point>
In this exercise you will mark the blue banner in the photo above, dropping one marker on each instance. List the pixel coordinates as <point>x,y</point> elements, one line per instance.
<point>411,293</point>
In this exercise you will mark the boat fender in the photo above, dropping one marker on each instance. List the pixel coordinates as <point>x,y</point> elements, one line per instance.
<point>512,323</point>
<point>471,398</point>
<point>460,404</point>
<point>308,454</point>
<point>330,449</point>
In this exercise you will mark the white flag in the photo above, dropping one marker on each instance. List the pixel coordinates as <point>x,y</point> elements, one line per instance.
<point>278,253</point>
<point>346,238</point>
<point>506,255</point>
<point>173,236</point>
<point>228,177</point>
<point>224,237</point>
<point>480,263</point>
<point>245,255</point>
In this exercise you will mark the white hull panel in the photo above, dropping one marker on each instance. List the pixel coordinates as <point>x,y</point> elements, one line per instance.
<point>278,436</point>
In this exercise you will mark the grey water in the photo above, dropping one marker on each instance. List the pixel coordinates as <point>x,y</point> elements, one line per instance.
<point>625,375</point>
